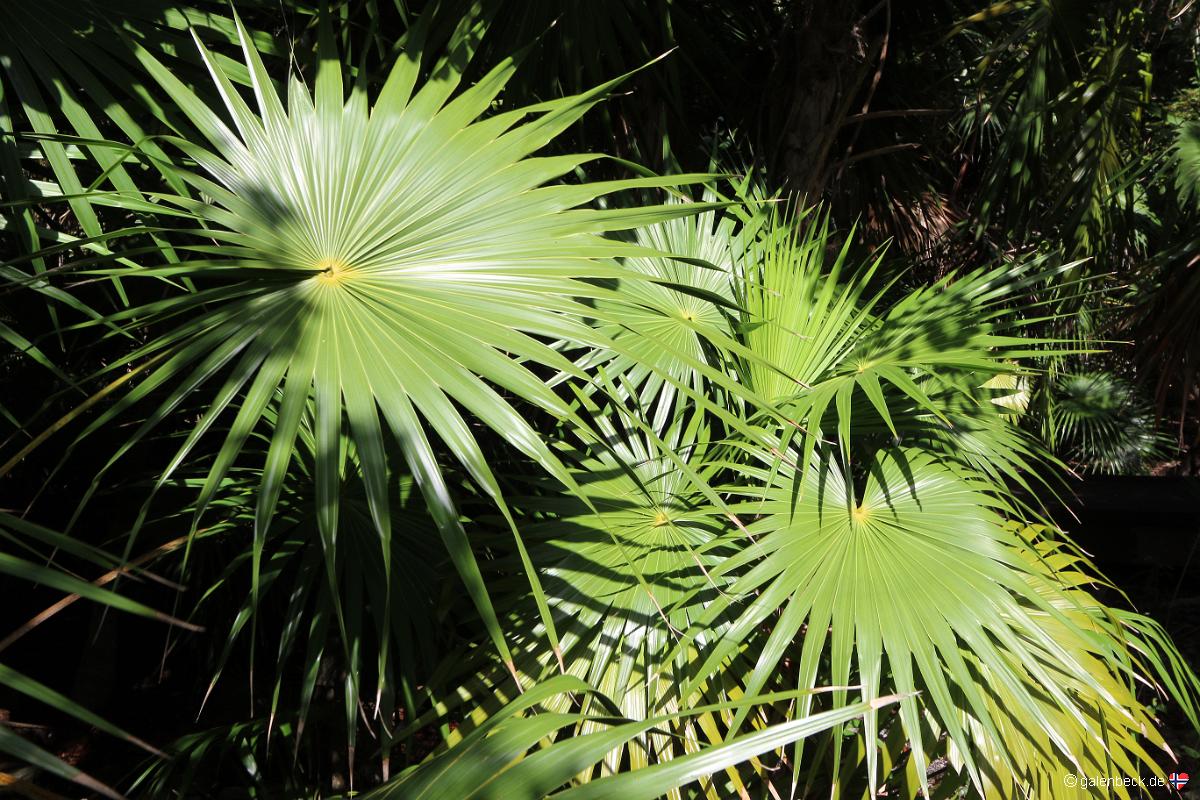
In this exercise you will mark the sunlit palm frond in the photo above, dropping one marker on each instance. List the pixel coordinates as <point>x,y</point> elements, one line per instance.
<point>405,263</point>
<point>502,758</point>
<point>687,305</point>
<point>626,566</point>
<point>1121,650</point>
<point>916,583</point>
<point>862,366</point>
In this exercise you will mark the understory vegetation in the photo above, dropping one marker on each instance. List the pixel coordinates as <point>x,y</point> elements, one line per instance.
<point>579,399</point>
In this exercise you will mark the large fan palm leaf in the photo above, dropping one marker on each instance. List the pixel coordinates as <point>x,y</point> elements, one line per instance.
<point>916,582</point>
<point>404,263</point>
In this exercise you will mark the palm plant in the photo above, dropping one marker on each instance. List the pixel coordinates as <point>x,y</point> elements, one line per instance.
<point>908,482</point>
<point>799,575</point>
<point>317,276</point>
<point>1102,425</point>
<point>524,482</point>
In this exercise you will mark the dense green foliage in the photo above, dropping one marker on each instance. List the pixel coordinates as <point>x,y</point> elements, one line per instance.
<point>572,399</point>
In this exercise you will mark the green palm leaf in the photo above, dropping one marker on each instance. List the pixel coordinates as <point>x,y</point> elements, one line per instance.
<point>859,365</point>
<point>404,263</point>
<point>501,758</point>
<point>916,583</point>
<point>687,306</point>
<point>1119,650</point>
<point>1101,423</point>
<point>626,566</point>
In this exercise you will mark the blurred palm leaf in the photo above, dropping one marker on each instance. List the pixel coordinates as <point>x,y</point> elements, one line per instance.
<point>1101,424</point>
<point>1186,157</point>
<point>372,620</point>
<point>502,758</point>
<point>1066,90</point>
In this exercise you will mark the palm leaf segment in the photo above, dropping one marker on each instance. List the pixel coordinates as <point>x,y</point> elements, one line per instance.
<point>686,306</point>
<point>506,757</point>
<point>46,548</point>
<point>68,67</point>
<point>357,246</point>
<point>626,567</point>
<point>861,366</point>
<point>1102,739</point>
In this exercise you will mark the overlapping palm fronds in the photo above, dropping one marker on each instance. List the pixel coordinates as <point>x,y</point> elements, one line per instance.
<point>357,245</point>
<point>508,479</point>
<point>501,758</point>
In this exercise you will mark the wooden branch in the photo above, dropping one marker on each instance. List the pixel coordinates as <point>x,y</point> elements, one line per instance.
<point>898,112</point>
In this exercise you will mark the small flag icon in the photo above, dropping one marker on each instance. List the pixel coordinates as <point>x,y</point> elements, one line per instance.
<point>1178,780</point>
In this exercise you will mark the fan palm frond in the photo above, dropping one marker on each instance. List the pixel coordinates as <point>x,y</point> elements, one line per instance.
<point>354,245</point>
